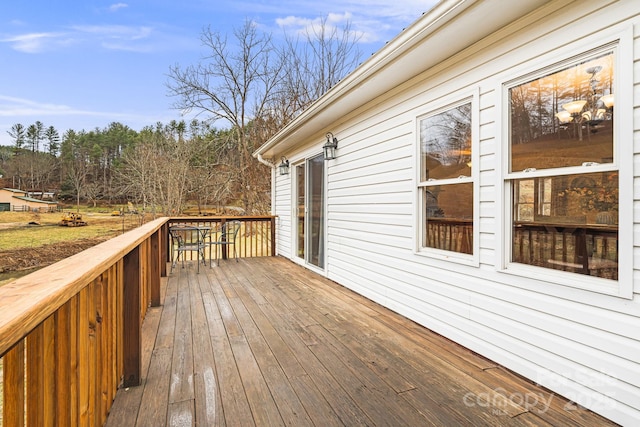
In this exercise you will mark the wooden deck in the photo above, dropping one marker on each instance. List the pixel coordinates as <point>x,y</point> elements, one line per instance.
<point>266,342</point>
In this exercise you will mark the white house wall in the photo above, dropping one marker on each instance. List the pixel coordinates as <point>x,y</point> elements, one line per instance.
<point>582,344</point>
<point>281,207</point>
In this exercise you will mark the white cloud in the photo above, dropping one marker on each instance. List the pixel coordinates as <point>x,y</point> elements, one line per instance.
<point>24,109</point>
<point>117,6</point>
<point>115,31</point>
<point>20,107</point>
<point>303,26</point>
<point>38,42</point>
<point>112,37</point>
<point>120,37</point>
<point>372,20</point>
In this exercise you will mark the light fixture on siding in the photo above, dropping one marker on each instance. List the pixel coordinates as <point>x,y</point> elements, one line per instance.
<point>284,166</point>
<point>330,147</point>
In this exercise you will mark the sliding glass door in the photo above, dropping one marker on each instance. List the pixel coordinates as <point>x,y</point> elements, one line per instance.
<point>310,208</point>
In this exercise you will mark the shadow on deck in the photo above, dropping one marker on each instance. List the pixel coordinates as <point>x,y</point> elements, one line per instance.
<point>267,342</point>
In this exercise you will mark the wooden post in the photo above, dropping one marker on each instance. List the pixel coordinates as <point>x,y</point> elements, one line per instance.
<point>223,238</point>
<point>131,319</point>
<point>273,236</point>
<point>164,248</point>
<point>154,271</point>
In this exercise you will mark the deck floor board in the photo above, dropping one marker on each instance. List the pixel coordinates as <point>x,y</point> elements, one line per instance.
<point>266,342</point>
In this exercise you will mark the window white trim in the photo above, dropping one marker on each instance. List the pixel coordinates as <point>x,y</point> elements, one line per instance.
<point>620,39</point>
<point>451,101</point>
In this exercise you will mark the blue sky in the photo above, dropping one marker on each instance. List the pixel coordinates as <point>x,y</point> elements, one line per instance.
<point>82,64</point>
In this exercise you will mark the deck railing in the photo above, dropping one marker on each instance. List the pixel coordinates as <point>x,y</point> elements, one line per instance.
<point>70,332</point>
<point>256,237</point>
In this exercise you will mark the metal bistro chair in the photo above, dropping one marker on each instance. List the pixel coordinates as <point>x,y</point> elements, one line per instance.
<point>224,237</point>
<point>186,239</point>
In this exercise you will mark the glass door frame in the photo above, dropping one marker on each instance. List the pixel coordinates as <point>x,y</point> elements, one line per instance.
<point>303,170</point>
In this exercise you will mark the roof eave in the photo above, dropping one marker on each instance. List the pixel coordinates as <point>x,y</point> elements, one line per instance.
<point>432,38</point>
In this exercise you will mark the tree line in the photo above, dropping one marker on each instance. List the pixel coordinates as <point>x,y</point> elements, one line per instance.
<point>247,82</point>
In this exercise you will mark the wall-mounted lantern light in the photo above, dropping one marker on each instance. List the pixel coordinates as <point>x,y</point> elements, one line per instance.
<point>330,147</point>
<point>284,166</point>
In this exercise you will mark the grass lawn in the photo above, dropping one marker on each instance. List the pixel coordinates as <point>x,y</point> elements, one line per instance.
<point>32,239</point>
<point>16,231</point>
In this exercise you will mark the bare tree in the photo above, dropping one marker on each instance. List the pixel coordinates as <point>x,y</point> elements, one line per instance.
<point>134,177</point>
<point>258,90</point>
<point>314,61</point>
<point>75,163</point>
<point>234,83</point>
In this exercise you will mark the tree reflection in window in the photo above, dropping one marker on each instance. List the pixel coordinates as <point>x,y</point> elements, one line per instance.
<point>566,216</point>
<point>445,143</point>
<point>447,185</point>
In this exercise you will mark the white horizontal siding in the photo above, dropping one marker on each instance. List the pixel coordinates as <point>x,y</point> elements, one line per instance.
<point>582,344</point>
<point>282,210</point>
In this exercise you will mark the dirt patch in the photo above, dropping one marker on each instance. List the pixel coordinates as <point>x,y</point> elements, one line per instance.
<point>38,257</point>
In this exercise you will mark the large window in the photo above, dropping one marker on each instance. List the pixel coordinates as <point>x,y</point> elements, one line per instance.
<point>562,171</point>
<point>446,182</point>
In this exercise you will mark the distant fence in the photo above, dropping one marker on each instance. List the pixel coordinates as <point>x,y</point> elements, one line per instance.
<point>41,209</point>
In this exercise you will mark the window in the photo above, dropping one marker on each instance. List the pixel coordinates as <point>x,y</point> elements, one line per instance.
<point>563,174</point>
<point>446,183</point>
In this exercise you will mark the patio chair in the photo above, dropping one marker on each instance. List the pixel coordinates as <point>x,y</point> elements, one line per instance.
<point>186,239</point>
<point>224,238</point>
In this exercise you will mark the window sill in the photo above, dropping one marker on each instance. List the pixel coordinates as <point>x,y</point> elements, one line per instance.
<point>449,256</point>
<point>567,279</point>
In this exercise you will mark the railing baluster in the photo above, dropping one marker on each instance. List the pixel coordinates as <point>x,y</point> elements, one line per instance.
<point>63,365</point>
<point>13,391</point>
<point>35,389</point>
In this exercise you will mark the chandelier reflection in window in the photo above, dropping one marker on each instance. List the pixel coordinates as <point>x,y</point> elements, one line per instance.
<point>591,112</point>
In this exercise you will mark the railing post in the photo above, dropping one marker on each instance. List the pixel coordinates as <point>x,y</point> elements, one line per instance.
<point>155,268</point>
<point>132,346</point>
<point>223,248</point>
<point>164,245</point>
<point>273,236</point>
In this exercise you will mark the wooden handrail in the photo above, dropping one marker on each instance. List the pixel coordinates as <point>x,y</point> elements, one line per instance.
<point>29,300</point>
<point>70,332</point>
